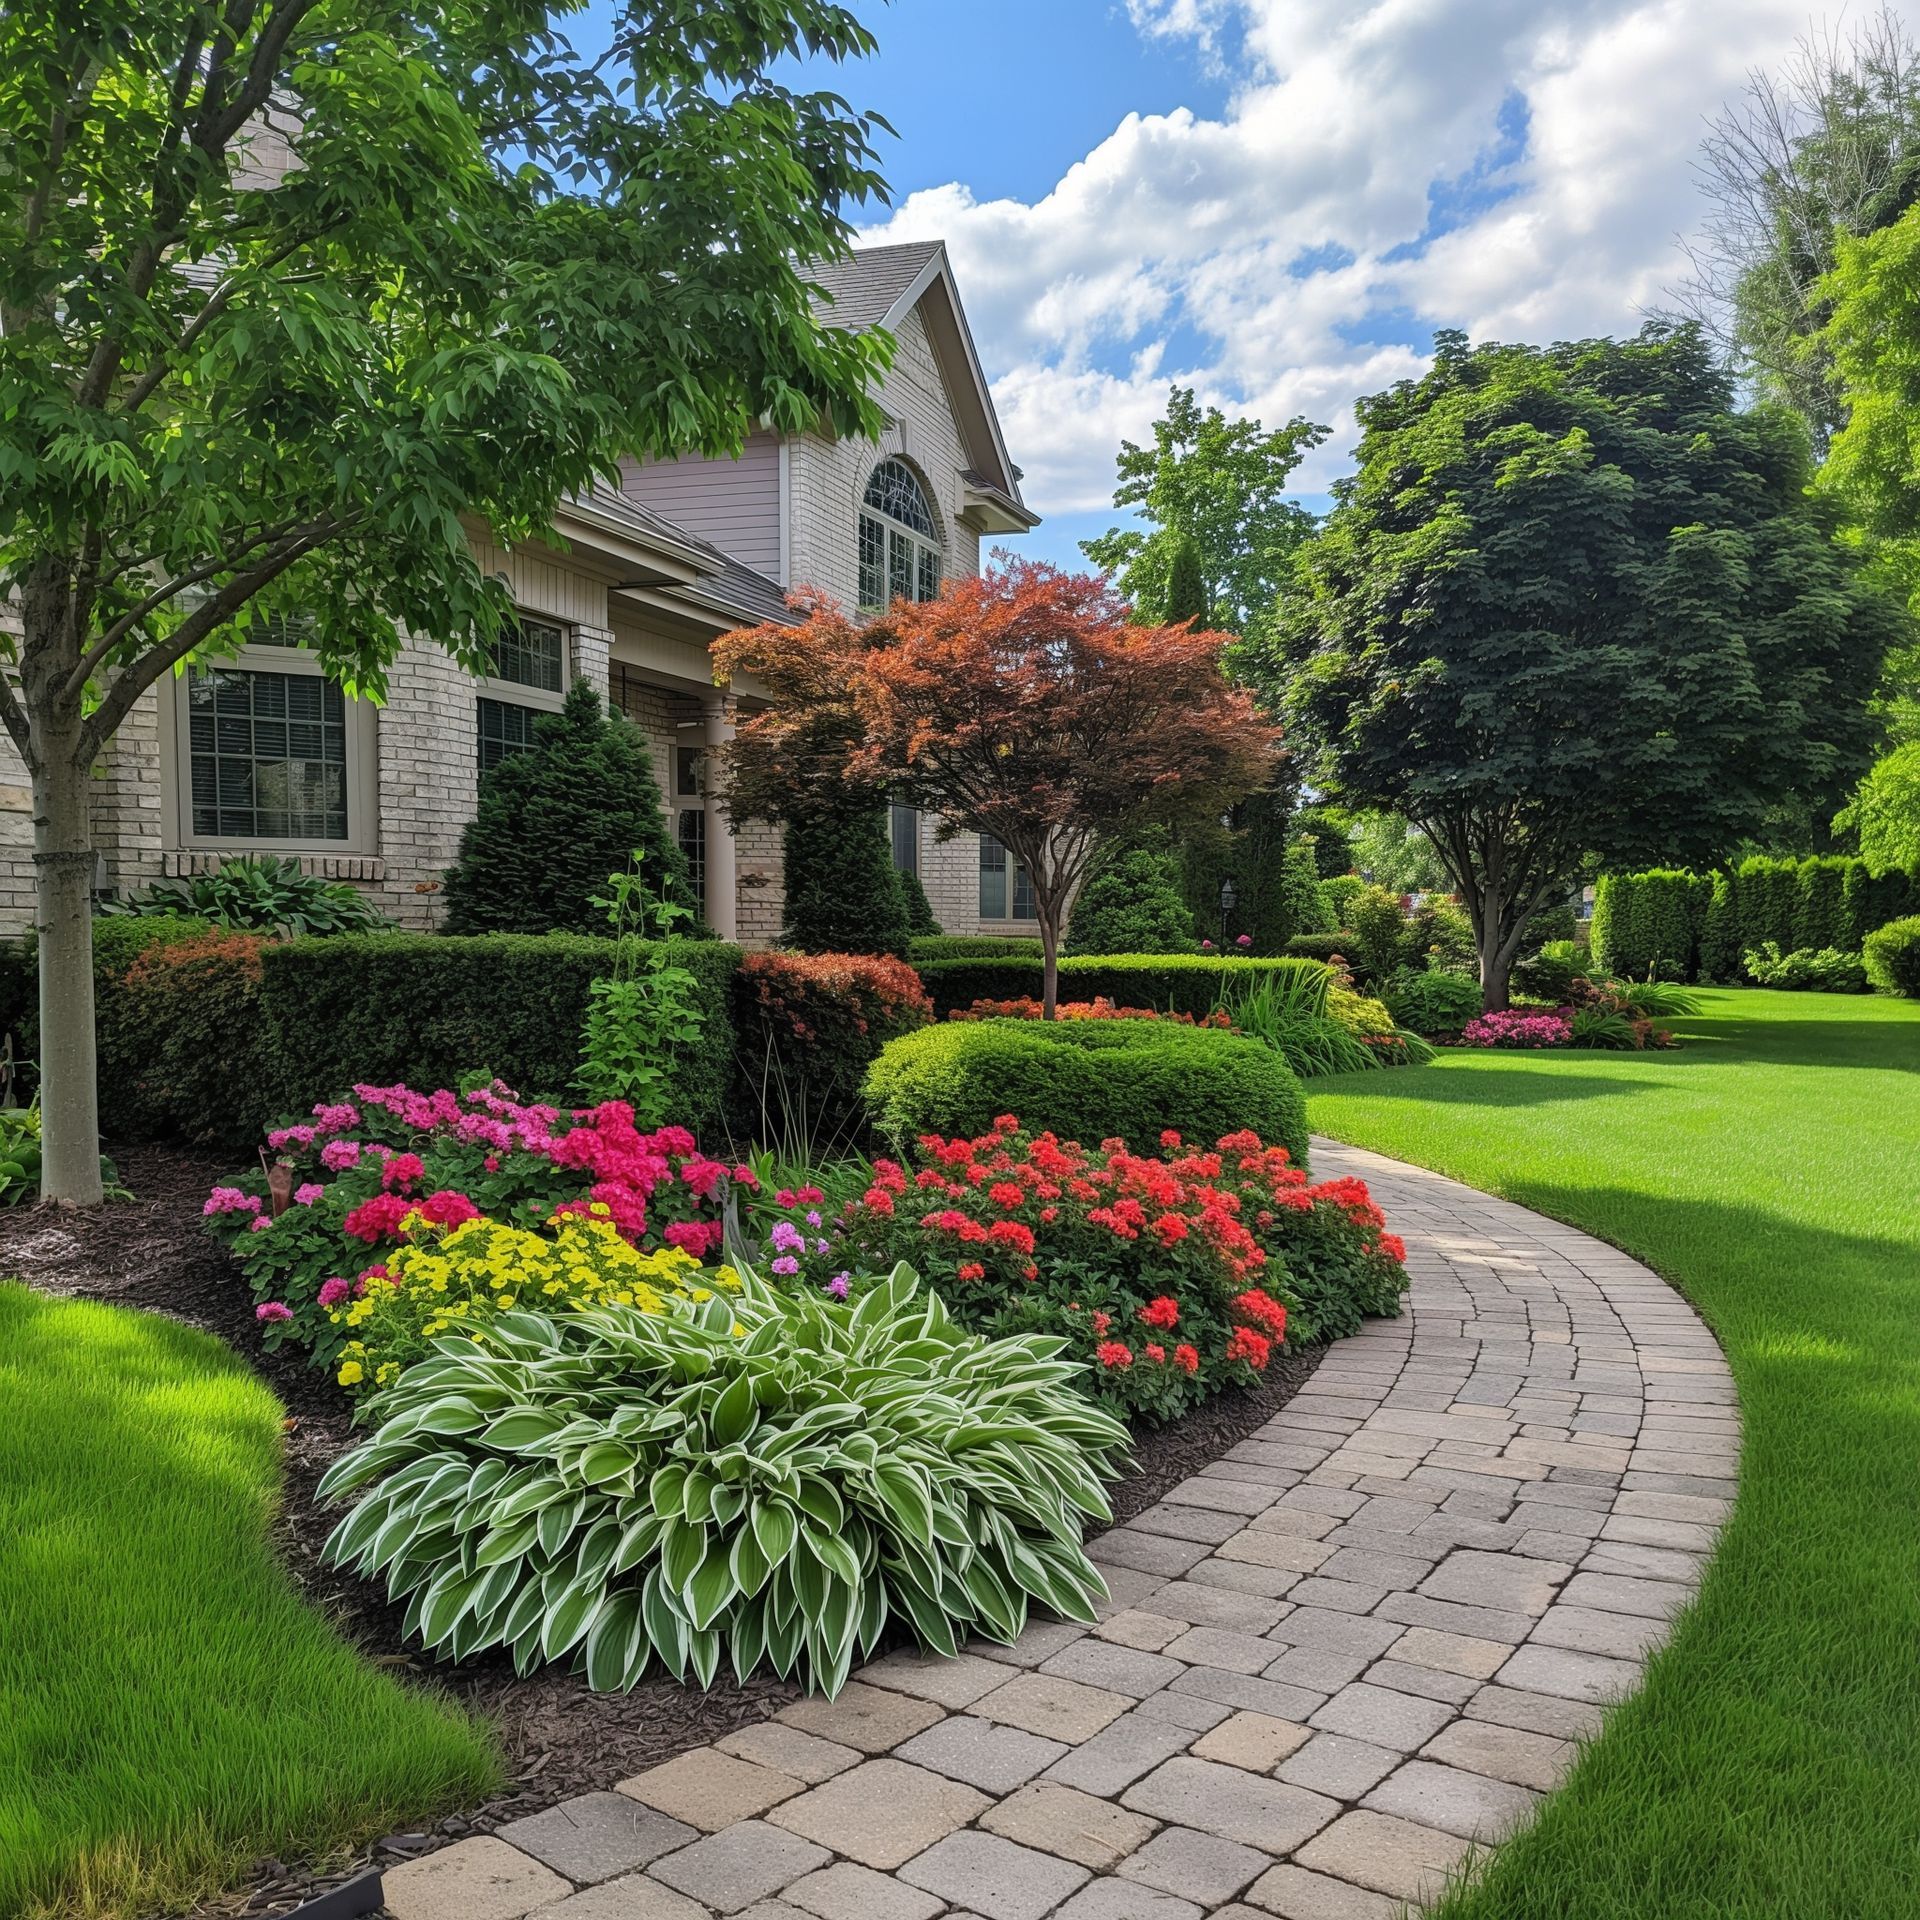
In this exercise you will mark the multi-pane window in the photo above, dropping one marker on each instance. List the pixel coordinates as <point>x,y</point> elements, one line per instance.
<point>506,728</point>
<point>268,754</point>
<point>1005,891</point>
<point>531,653</point>
<point>899,542</point>
<point>529,672</point>
<point>905,825</point>
<point>691,832</point>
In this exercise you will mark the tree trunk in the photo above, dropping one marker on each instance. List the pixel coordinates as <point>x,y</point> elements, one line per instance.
<point>1048,917</point>
<point>69,1092</point>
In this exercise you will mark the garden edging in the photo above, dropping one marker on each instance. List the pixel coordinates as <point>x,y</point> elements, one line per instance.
<point>1336,1659</point>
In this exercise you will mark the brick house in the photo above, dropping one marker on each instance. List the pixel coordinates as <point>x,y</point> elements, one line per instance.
<point>261,753</point>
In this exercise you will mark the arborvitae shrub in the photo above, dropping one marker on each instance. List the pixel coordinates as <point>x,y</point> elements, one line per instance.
<point>555,820</point>
<point>843,893</point>
<point>922,922</point>
<point>1131,904</point>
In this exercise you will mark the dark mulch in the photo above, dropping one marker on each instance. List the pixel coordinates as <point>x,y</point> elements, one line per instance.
<point>557,1738</point>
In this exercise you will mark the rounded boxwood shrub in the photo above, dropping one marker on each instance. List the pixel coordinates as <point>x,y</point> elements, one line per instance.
<point>1130,904</point>
<point>1893,957</point>
<point>1086,1080</point>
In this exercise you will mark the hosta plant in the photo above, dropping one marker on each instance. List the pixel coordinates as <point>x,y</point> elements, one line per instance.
<point>771,1479</point>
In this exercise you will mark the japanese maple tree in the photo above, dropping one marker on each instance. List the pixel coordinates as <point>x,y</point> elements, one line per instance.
<point>1022,704</point>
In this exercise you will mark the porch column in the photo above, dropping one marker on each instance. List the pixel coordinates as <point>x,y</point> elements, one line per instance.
<point>723,892</point>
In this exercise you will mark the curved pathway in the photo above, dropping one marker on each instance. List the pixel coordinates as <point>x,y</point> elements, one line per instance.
<point>1365,1640</point>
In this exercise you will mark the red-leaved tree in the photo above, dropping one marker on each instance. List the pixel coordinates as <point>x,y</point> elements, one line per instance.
<point>1022,704</point>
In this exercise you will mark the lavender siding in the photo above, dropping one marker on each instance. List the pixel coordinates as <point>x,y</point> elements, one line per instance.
<point>733,503</point>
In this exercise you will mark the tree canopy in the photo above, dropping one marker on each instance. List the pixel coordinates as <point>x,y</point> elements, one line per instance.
<point>290,292</point>
<point>1022,704</point>
<point>1573,602</point>
<point>1214,490</point>
<point>1825,149</point>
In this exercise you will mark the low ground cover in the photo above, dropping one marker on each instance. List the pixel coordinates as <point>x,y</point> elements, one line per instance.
<point>1771,1170</point>
<point>139,1473</point>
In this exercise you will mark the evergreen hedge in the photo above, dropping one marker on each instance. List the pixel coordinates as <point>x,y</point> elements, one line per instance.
<point>1688,926</point>
<point>1166,982</point>
<point>207,1036</point>
<point>1087,1080</point>
<point>843,892</point>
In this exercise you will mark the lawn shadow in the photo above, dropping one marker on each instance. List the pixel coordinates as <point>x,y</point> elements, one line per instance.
<point>1800,1043</point>
<point>1484,1087</point>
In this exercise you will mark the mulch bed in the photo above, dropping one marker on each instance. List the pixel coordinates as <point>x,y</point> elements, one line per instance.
<point>556,1737</point>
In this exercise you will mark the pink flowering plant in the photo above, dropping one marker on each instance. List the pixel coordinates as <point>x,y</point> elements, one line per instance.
<point>1518,1031</point>
<point>372,1171</point>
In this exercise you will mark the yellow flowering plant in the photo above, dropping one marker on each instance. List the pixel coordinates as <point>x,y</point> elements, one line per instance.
<point>442,1282</point>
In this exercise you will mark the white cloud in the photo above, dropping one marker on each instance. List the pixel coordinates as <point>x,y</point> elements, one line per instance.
<point>1270,257</point>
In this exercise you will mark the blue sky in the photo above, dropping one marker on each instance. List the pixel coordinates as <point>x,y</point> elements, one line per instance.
<point>1278,201</point>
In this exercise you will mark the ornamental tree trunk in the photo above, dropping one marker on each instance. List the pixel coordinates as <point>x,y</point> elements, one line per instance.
<point>1047,912</point>
<point>63,860</point>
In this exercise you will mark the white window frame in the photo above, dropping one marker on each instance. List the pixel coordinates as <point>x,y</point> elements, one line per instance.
<point>1011,875</point>
<point>362,762</point>
<point>919,541</point>
<point>516,693</point>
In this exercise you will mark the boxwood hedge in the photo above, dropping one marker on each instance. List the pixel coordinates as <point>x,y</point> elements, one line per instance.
<point>1167,982</point>
<point>1087,1081</point>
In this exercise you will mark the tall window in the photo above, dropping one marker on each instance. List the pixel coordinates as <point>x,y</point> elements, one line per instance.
<point>268,754</point>
<point>905,825</point>
<point>899,544</point>
<point>1005,891</point>
<point>529,671</point>
<point>690,820</point>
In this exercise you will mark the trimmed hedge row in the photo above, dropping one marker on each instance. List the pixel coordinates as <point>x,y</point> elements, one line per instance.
<point>1687,926</point>
<point>1086,1080</point>
<point>1167,982</point>
<point>208,1036</point>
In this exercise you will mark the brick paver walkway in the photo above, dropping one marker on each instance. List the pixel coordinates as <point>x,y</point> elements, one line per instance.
<point>1367,1639</point>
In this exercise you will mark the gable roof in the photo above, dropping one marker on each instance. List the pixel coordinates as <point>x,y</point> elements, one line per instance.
<point>878,287</point>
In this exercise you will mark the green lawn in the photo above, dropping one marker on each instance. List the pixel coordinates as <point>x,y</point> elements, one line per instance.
<point>1770,1769</point>
<point>170,1710</point>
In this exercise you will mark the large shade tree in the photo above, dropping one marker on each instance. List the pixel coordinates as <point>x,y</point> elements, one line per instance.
<point>1219,526</point>
<point>288,287</point>
<point>1572,602</point>
<point>1022,704</point>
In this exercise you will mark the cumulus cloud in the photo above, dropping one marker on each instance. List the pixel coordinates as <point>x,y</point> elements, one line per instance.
<point>1382,167</point>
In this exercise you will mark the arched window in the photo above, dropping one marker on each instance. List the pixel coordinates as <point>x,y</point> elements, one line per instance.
<point>899,545</point>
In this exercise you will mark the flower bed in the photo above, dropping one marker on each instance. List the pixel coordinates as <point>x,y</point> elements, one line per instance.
<point>1516,1029</point>
<point>1028,1008</point>
<point>384,1171</point>
<point>1171,1275</point>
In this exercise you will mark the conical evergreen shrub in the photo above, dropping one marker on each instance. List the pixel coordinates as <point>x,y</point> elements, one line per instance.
<point>1130,903</point>
<point>557,818</point>
<point>843,891</point>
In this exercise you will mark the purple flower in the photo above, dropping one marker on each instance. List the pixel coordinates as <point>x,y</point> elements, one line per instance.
<point>273,1310</point>
<point>838,1286</point>
<point>811,1216</point>
<point>306,1195</point>
<point>786,1264</point>
<point>787,1237</point>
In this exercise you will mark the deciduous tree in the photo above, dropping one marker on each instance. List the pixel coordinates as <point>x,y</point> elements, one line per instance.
<point>1021,704</point>
<point>1572,603</point>
<point>286,289</point>
<point>1216,488</point>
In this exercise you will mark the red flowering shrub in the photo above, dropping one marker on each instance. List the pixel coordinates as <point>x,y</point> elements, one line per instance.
<point>1171,1275</point>
<point>810,1024</point>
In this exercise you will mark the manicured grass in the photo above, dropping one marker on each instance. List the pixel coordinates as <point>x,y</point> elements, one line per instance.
<point>1771,1171</point>
<point>170,1710</point>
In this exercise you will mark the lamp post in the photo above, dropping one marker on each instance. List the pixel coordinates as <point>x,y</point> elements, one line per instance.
<point>1227,898</point>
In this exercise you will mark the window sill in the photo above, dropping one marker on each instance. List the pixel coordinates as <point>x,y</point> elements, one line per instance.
<point>182,863</point>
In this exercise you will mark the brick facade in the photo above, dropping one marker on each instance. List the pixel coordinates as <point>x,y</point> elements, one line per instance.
<point>422,747</point>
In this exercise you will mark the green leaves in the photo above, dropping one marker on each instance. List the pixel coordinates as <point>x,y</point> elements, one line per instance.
<point>661,1486</point>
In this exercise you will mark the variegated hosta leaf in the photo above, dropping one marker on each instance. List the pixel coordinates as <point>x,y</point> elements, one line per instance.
<point>761,1479</point>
